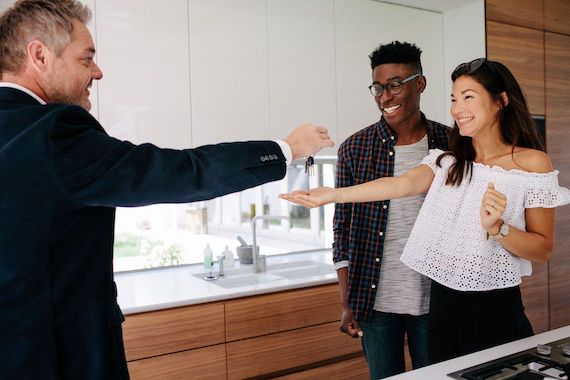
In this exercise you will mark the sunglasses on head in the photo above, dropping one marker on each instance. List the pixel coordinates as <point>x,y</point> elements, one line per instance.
<point>472,66</point>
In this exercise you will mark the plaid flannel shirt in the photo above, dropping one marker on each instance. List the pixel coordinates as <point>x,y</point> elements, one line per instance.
<point>359,228</point>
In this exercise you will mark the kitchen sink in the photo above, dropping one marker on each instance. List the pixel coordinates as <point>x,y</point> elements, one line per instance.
<point>301,269</point>
<point>235,278</point>
<point>247,279</point>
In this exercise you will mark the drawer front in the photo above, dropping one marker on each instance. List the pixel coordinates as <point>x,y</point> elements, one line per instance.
<point>350,369</point>
<point>276,312</point>
<point>289,350</point>
<point>202,363</point>
<point>165,331</point>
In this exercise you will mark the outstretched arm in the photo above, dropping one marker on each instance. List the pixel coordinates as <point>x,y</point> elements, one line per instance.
<point>413,182</point>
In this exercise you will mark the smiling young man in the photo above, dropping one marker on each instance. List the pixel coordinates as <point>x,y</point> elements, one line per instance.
<point>383,300</point>
<point>61,177</point>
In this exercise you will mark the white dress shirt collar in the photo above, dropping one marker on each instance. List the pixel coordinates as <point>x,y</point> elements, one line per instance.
<point>23,89</point>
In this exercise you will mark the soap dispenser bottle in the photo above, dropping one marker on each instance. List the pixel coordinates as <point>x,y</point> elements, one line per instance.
<point>209,263</point>
<point>229,257</point>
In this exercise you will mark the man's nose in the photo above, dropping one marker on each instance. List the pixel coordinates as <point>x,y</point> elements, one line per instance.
<point>96,72</point>
<point>385,96</point>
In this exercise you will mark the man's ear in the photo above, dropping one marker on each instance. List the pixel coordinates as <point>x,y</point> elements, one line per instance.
<point>38,56</point>
<point>422,83</point>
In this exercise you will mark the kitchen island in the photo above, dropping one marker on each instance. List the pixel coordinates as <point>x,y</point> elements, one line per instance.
<point>440,370</point>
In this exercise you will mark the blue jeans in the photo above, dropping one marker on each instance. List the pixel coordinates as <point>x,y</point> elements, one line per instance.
<point>383,342</point>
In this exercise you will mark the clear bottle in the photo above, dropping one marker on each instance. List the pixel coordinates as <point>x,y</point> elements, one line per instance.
<point>208,258</point>
<point>229,257</point>
<point>209,264</point>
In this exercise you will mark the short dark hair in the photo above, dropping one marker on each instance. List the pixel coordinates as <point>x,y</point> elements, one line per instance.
<point>397,52</point>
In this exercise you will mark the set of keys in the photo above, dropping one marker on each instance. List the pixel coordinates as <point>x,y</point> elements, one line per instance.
<point>310,166</point>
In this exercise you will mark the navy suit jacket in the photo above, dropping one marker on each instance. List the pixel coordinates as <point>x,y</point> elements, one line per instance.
<point>61,177</point>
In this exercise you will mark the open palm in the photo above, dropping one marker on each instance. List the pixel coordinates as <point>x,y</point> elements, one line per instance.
<point>311,198</point>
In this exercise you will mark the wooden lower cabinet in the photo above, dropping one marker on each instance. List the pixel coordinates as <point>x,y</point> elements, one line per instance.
<point>202,363</point>
<point>290,333</point>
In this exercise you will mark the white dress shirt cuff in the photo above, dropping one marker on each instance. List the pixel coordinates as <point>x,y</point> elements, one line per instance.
<point>341,264</point>
<point>286,149</point>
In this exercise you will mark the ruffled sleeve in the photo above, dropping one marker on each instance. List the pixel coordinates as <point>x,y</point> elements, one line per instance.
<point>431,158</point>
<point>543,190</point>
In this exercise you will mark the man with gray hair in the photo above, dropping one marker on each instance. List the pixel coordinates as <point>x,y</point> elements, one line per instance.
<point>62,177</point>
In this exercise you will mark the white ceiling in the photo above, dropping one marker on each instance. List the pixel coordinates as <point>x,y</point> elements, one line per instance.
<point>431,5</point>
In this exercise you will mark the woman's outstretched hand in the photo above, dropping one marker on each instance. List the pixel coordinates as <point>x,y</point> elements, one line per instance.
<point>311,198</point>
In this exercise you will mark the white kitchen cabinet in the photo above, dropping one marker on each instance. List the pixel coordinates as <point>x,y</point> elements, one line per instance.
<point>142,48</point>
<point>362,25</point>
<point>229,70</point>
<point>302,85</point>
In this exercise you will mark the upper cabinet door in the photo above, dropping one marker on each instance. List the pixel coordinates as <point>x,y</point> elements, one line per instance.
<point>362,25</point>
<point>522,51</point>
<point>229,70</point>
<point>527,13</point>
<point>556,13</point>
<point>302,81</point>
<point>142,48</point>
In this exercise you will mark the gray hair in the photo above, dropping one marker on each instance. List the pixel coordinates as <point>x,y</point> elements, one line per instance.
<point>48,21</point>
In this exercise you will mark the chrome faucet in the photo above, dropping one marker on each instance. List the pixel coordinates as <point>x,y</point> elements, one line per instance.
<point>255,249</point>
<point>221,265</point>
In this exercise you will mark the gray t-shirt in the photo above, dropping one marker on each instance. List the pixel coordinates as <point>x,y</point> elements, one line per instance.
<point>401,290</point>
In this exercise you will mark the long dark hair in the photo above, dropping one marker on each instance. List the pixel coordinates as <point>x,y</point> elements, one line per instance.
<point>516,125</point>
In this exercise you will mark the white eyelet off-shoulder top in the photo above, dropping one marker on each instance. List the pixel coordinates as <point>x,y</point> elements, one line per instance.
<point>448,243</point>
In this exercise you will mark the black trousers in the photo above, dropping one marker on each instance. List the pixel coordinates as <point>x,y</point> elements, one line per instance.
<point>464,322</point>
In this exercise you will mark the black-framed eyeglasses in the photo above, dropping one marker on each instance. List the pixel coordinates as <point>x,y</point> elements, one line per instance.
<point>394,87</point>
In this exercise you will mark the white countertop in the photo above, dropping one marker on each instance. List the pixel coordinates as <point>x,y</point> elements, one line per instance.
<point>163,288</point>
<point>440,370</point>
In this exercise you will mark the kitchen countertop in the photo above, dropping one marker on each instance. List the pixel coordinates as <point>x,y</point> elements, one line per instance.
<point>163,288</point>
<point>440,370</point>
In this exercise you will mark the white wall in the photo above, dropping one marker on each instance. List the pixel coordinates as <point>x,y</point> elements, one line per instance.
<point>463,40</point>
<point>142,48</point>
<point>361,25</point>
<point>203,71</point>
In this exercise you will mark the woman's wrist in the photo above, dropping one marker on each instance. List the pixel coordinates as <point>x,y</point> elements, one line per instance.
<point>495,229</point>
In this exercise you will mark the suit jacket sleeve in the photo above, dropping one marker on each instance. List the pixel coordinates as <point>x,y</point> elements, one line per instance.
<point>97,170</point>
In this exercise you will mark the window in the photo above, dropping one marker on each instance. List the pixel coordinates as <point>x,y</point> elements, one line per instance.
<point>176,234</point>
